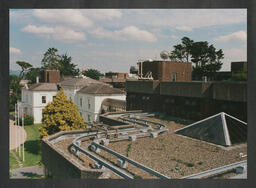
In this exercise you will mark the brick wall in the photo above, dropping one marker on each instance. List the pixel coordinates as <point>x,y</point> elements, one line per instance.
<point>162,70</point>
<point>51,76</point>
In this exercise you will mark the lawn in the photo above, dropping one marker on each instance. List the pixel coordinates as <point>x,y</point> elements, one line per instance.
<point>32,148</point>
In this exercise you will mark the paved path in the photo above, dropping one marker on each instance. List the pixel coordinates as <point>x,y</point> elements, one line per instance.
<point>27,172</point>
<point>13,139</point>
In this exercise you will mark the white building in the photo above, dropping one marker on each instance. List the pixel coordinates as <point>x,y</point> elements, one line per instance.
<point>88,94</point>
<point>71,86</point>
<point>35,97</point>
<point>90,99</point>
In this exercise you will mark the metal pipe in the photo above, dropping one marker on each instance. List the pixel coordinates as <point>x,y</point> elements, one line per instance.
<point>139,165</point>
<point>216,170</point>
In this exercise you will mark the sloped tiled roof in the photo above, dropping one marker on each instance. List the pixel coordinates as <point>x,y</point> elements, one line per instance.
<point>43,87</point>
<point>79,81</point>
<point>100,88</point>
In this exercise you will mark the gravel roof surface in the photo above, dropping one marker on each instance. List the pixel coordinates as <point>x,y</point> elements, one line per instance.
<point>170,154</point>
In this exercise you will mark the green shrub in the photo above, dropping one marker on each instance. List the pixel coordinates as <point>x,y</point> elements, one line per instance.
<point>189,164</point>
<point>28,120</point>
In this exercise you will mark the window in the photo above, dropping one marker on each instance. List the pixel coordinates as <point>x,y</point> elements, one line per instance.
<point>89,104</point>
<point>89,118</point>
<point>174,76</point>
<point>81,102</point>
<point>43,99</point>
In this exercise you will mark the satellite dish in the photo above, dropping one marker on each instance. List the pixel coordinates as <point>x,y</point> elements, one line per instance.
<point>164,55</point>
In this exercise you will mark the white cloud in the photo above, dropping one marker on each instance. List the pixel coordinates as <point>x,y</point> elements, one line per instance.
<point>132,32</point>
<point>103,14</point>
<point>233,54</point>
<point>236,36</point>
<point>191,18</point>
<point>38,30</point>
<point>15,50</point>
<point>71,17</point>
<point>58,33</point>
<point>127,33</point>
<point>236,54</point>
<point>174,37</point>
<point>184,28</point>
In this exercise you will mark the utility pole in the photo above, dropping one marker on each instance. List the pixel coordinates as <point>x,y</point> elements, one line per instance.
<point>15,126</point>
<point>19,127</point>
<point>23,135</point>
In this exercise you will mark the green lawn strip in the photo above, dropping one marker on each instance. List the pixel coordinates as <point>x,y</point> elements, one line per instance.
<point>12,162</point>
<point>32,146</point>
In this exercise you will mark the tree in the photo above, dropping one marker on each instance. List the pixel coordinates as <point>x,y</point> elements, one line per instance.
<point>60,115</point>
<point>93,73</point>
<point>133,70</point>
<point>51,59</point>
<point>182,52</point>
<point>206,59</point>
<point>14,86</point>
<point>33,73</point>
<point>24,67</point>
<point>66,67</point>
<point>187,45</point>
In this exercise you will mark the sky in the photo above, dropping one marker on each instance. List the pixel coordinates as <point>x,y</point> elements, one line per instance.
<point>115,39</point>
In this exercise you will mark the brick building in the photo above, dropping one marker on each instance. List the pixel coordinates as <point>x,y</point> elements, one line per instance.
<point>189,100</point>
<point>116,79</point>
<point>166,70</point>
<point>51,76</point>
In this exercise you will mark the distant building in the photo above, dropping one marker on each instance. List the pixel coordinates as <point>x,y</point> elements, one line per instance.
<point>236,67</point>
<point>165,70</point>
<point>117,79</point>
<point>189,100</point>
<point>239,66</point>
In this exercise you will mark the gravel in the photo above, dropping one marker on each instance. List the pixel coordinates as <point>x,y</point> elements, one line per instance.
<point>170,154</point>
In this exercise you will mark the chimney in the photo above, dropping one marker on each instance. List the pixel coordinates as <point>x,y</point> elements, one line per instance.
<point>37,79</point>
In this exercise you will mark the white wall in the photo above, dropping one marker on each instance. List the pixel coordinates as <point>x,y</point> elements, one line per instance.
<point>37,97</point>
<point>70,92</point>
<point>95,107</point>
<point>32,100</point>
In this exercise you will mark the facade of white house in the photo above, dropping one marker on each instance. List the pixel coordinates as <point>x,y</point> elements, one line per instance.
<point>90,105</point>
<point>86,93</point>
<point>35,98</point>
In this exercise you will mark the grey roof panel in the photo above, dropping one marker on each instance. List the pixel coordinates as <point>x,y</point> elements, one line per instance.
<point>80,81</point>
<point>43,87</point>
<point>100,89</point>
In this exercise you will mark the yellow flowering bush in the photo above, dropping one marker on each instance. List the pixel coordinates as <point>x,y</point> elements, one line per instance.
<point>60,115</point>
